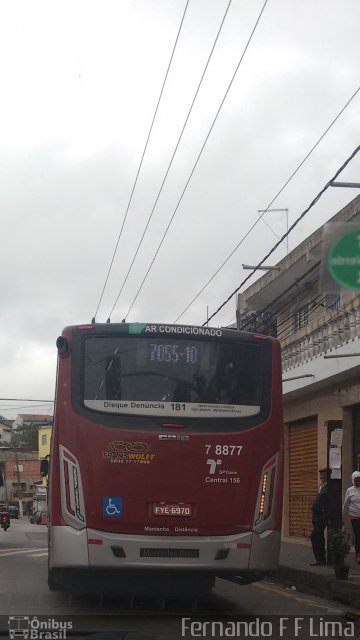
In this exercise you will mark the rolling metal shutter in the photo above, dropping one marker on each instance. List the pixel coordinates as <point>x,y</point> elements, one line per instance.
<point>303,475</point>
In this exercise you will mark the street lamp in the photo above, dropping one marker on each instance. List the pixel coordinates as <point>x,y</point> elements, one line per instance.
<point>263,268</point>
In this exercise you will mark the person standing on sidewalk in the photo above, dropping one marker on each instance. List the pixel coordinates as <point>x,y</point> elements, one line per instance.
<point>320,519</point>
<point>351,510</point>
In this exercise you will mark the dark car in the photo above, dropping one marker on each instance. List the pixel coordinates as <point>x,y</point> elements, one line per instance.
<point>14,511</point>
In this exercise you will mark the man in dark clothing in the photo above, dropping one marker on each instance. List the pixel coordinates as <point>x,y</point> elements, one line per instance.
<point>320,519</point>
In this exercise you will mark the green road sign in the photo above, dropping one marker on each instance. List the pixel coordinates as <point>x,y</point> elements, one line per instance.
<point>344,260</point>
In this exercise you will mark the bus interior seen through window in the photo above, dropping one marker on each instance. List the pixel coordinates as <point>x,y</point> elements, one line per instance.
<point>158,370</point>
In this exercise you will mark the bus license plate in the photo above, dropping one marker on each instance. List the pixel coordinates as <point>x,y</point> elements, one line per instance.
<point>164,509</point>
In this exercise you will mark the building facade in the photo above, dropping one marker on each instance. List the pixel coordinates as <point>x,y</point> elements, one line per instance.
<point>5,432</point>
<point>319,332</point>
<point>32,418</point>
<point>44,438</point>
<point>20,471</point>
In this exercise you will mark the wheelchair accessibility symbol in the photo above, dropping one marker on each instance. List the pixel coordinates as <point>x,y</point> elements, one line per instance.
<point>112,507</point>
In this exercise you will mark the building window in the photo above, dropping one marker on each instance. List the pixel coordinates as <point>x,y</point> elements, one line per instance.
<point>44,439</point>
<point>301,317</point>
<point>19,467</point>
<point>332,301</point>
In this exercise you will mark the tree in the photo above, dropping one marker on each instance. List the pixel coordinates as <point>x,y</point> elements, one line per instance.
<point>26,437</point>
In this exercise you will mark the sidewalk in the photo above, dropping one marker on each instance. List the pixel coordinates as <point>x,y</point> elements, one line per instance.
<point>295,570</point>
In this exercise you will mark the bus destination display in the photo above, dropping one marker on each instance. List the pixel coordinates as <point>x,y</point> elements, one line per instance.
<point>159,352</point>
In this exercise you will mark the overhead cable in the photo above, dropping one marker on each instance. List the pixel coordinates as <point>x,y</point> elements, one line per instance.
<point>270,204</point>
<point>310,307</point>
<point>7,408</point>
<point>198,157</point>
<point>337,313</point>
<point>285,314</point>
<point>24,400</point>
<point>172,157</point>
<point>295,223</point>
<point>297,281</point>
<point>142,158</point>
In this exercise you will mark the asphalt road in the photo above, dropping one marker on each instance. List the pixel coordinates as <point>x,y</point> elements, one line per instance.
<point>24,591</point>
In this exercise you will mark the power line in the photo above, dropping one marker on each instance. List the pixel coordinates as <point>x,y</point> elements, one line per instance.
<point>255,324</point>
<point>310,306</point>
<point>283,293</point>
<point>232,321</point>
<point>7,408</point>
<point>198,157</point>
<point>142,158</point>
<point>270,203</point>
<point>292,304</point>
<point>172,157</point>
<point>336,313</point>
<point>24,400</point>
<point>328,184</point>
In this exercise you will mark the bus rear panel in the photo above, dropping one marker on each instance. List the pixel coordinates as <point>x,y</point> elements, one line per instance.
<point>166,462</point>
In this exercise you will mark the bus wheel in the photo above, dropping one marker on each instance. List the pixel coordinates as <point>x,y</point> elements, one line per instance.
<point>53,584</point>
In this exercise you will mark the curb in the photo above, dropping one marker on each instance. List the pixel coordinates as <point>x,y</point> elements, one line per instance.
<point>344,591</point>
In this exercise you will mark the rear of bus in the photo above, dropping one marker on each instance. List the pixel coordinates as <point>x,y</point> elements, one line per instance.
<point>166,463</point>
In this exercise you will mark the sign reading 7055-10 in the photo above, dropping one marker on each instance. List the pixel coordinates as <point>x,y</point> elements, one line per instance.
<point>344,259</point>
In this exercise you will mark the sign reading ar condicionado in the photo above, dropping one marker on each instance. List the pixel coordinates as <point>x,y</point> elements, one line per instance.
<point>344,259</point>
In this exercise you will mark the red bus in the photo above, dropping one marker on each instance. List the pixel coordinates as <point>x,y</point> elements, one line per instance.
<point>166,461</point>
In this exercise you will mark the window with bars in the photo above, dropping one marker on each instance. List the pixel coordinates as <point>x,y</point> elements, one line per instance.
<point>301,317</point>
<point>332,301</point>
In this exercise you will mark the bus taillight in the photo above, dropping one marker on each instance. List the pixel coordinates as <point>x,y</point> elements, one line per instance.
<point>264,501</point>
<point>262,495</point>
<point>271,493</point>
<point>72,499</point>
<point>67,488</point>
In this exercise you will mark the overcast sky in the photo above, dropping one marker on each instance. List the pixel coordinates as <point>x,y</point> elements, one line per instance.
<point>80,81</point>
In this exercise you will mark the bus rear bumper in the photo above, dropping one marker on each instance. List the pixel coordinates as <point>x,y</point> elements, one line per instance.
<point>130,582</point>
<point>92,560</point>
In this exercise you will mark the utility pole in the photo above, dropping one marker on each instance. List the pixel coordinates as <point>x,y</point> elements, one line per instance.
<point>19,491</point>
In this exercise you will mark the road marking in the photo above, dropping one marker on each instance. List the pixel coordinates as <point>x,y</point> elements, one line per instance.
<point>12,552</point>
<point>38,555</point>
<point>294,594</point>
<point>267,587</point>
<point>15,549</point>
<point>321,606</point>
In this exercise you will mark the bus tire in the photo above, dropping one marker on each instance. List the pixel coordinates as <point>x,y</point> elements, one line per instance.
<point>51,584</point>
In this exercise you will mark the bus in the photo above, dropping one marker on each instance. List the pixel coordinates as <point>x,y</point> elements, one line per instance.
<point>166,458</point>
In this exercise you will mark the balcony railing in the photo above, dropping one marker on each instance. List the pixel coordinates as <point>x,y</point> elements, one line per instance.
<point>322,338</point>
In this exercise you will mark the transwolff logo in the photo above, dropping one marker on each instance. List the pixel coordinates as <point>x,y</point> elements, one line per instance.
<point>32,628</point>
<point>120,450</point>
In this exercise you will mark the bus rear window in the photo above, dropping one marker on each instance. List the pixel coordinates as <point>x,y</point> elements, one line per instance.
<point>167,377</point>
